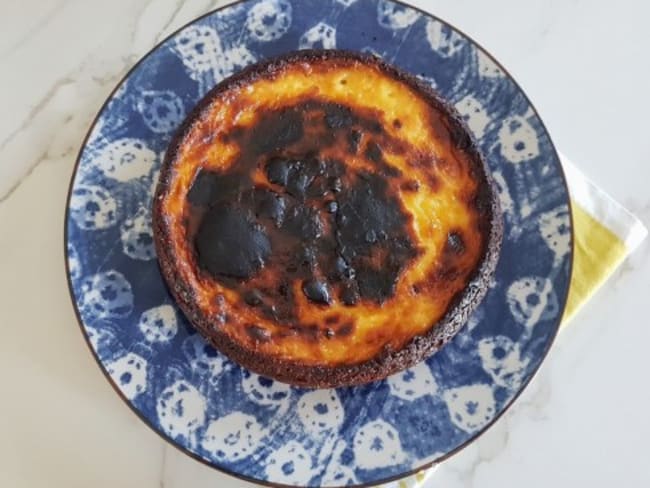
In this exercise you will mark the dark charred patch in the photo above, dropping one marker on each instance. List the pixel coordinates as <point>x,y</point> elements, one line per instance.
<point>455,244</point>
<point>425,161</point>
<point>391,171</point>
<point>375,127</point>
<point>339,116</point>
<point>446,273</point>
<point>306,256</point>
<point>277,171</point>
<point>397,146</point>
<point>373,152</point>
<point>230,243</point>
<point>300,178</point>
<point>342,234</point>
<point>334,168</point>
<point>367,206</point>
<point>411,186</point>
<point>459,136</point>
<point>377,284</point>
<point>397,123</point>
<point>284,289</point>
<point>420,160</point>
<point>342,269</point>
<point>318,188</point>
<point>253,297</point>
<point>303,222</point>
<point>299,185</point>
<point>345,329</point>
<point>332,319</point>
<point>270,312</point>
<point>335,183</point>
<point>275,131</point>
<point>266,204</point>
<point>432,181</point>
<point>317,291</point>
<point>332,206</point>
<point>350,294</point>
<point>483,200</point>
<point>371,237</point>
<point>353,138</point>
<point>257,333</point>
<point>211,186</point>
<point>309,331</point>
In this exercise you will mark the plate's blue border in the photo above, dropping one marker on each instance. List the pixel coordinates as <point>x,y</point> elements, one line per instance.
<point>239,475</point>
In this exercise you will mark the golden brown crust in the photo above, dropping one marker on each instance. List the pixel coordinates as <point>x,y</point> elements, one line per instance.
<point>264,347</point>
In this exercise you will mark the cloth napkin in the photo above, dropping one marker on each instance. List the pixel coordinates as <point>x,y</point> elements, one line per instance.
<point>605,234</point>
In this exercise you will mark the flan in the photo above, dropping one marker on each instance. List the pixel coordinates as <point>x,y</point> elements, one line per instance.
<point>325,219</point>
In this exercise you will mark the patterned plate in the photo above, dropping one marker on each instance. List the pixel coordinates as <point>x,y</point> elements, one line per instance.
<point>253,427</point>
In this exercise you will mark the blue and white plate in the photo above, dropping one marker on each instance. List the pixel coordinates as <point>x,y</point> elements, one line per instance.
<point>267,431</point>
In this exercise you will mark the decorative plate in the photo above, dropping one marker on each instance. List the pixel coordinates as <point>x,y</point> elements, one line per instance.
<point>267,431</point>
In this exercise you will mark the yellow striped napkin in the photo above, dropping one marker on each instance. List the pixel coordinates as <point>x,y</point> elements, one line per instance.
<point>605,234</point>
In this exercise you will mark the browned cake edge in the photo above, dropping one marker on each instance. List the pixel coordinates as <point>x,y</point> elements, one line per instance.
<point>389,361</point>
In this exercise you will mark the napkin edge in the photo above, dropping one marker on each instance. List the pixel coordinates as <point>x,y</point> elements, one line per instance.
<point>603,207</point>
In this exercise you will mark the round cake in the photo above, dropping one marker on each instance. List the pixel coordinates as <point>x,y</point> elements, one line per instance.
<point>325,219</point>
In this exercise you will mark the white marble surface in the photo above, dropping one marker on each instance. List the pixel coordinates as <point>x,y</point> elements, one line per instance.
<point>584,419</point>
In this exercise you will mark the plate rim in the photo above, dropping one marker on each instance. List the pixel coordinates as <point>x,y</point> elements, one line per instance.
<point>251,479</point>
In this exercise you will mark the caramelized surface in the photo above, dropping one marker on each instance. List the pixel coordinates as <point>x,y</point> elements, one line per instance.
<point>321,213</point>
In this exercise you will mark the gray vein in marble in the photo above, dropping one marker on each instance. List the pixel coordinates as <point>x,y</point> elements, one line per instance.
<point>136,19</point>
<point>161,480</point>
<point>549,21</point>
<point>490,447</point>
<point>623,270</point>
<point>42,105</point>
<point>496,440</point>
<point>36,110</point>
<point>39,26</point>
<point>44,157</point>
<point>163,30</point>
<point>218,3</point>
<point>26,175</point>
<point>127,64</point>
<point>464,473</point>
<point>535,401</point>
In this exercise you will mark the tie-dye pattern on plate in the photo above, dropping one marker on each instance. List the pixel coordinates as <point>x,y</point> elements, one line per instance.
<point>251,426</point>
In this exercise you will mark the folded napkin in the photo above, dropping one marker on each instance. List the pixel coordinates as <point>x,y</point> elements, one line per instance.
<point>605,234</point>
